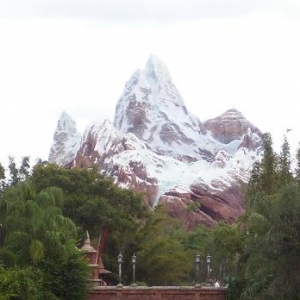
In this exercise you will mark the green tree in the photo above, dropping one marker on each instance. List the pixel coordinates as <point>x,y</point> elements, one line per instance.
<point>24,169</point>
<point>285,172</point>
<point>297,171</point>
<point>22,284</point>
<point>255,182</point>
<point>223,242</point>
<point>18,174</point>
<point>38,235</point>
<point>13,171</point>
<point>272,247</point>
<point>94,202</point>
<point>162,257</point>
<point>268,165</point>
<point>2,178</point>
<point>2,172</point>
<point>269,261</point>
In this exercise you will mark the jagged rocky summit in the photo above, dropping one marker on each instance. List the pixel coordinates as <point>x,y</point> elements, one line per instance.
<point>157,147</point>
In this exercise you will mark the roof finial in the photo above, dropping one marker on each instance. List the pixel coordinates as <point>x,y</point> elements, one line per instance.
<point>87,244</point>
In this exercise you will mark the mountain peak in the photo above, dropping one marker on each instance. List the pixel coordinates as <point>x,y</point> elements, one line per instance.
<point>66,141</point>
<point>66,123</point>
<point>230,126</point>
<point>233,113</point>
<point>153,110</point>
<point>233,110</point>
<point>156,68</point>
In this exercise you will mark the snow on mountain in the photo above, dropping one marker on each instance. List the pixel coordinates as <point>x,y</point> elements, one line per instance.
<point>66,141</point>
<point>104,135</point>
<point>152,108</point>
<point>157,147</point>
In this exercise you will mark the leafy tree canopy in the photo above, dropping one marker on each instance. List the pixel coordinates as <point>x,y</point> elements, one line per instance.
<point>269,262</point>
<point>36,234</point>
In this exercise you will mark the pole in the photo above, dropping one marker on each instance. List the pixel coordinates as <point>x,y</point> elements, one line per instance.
<point>133,260</point>
<point>208,261</point>
<point>197,261</point>
<point>120,260</point>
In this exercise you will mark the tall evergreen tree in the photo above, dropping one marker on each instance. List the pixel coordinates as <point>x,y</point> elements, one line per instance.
<point>297,171</point>
<point>2,172</point>
<point>285,173</point>
<point>263,173</point>
<point>268,165</point>
<point>13,171</point>
<point>255,182</point>
<point>18,174</point>
<point>24,168</point>
<point>2,178</point>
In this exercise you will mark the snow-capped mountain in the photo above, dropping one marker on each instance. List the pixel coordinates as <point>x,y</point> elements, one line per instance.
<point>66,141</point>
<point>152,109</point>
<point>157,147</point>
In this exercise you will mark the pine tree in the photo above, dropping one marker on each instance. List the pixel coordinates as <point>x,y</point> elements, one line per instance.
<point>24,169</point>
<point>13,171</point>
<point>268,165</point>
<point>285,174</point>
<point>297,171</point>
<point>2,179</point>
<point>16,174</point>
<point>255,184</point>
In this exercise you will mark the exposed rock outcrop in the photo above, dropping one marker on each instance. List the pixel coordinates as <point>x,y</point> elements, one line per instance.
<point>230,126</point>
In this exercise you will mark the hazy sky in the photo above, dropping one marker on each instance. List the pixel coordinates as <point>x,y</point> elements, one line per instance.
<point>76,55</point>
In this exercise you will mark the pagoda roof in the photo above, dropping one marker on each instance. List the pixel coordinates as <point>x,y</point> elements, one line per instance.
<point>87,247</point>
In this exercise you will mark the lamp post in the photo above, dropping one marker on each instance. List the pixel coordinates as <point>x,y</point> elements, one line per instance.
<point>120,261</point>
<point>133,260</point>
<point>208,262</point>
<point>197,262</point>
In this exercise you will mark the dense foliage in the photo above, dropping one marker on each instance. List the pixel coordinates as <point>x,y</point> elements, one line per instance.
<point>44,216</point>
<point>36,239</point>
<point>46,211</point>
<point>270,261</point>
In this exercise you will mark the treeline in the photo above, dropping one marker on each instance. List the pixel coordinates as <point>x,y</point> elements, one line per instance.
<point>268,266</point>
<point>45,212</point>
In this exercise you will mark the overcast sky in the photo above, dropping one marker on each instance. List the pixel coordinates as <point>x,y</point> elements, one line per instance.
<point>76,55</point>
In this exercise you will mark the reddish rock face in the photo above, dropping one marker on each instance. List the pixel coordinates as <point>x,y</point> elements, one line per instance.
<point>201,206</point>
<point>133,176</point>
<point>230,126</point>
<point>136,178</point>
